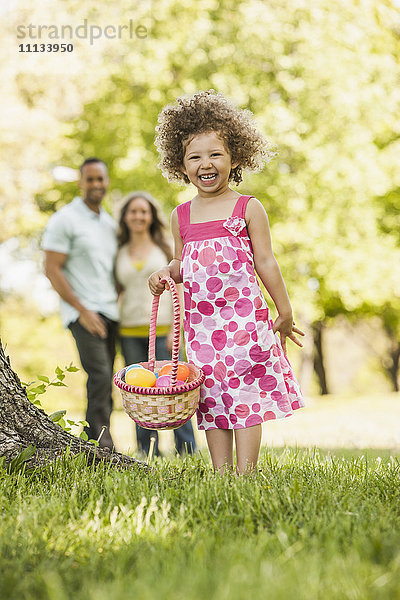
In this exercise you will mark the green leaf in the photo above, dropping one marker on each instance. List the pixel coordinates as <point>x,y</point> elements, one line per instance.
<point>43,378</point>
<point>71,368</point>
<point>60,373</point>
<point>40,389</point>
<point>57,416</point>
<point>21,458</point>
<point>84,436</point>
<point>58,384</point>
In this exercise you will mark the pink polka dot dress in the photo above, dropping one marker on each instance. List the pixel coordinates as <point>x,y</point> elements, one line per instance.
<point>228,329</point>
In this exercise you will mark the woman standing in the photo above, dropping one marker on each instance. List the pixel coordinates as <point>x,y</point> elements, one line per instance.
<point>143,249</point>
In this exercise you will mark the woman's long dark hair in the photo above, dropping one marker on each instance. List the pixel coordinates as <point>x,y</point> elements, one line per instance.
<point>157,227</point>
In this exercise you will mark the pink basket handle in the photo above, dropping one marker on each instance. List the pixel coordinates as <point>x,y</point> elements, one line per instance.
<point>177,329</point>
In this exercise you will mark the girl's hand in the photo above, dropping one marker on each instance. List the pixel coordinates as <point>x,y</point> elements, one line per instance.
<point>287,329</point>
<point>154,281</point>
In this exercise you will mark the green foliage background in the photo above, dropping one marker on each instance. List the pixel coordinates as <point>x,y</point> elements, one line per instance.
<point>322,80</point>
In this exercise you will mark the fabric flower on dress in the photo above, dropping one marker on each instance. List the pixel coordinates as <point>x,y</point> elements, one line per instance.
<point>235,225</point>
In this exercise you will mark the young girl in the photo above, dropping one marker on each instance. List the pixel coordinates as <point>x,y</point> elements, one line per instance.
<point>222,239</point>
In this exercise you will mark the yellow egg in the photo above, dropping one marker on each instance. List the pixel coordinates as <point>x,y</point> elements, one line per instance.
<point>140,378</point>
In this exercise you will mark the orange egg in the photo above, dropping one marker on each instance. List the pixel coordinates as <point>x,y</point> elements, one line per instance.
<point>140,377</point>
<point>182,374</point>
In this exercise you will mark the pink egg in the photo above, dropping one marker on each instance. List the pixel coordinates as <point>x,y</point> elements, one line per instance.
<point>165,381</point>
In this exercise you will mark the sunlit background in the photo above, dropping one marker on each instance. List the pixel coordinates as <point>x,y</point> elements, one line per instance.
<point>323,80</point>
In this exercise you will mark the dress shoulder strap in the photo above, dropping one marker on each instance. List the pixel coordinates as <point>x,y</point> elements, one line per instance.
<point>240,208</point>
<point>183,212</point>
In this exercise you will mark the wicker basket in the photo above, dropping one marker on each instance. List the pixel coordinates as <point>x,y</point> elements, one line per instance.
<point>167,407</point>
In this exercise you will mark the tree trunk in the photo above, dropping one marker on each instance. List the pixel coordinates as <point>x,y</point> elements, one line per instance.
<point>391,363</point>
<point>306,367</point>
<point>394,368</point>
<point>22,425</point>
<point>319,364</point>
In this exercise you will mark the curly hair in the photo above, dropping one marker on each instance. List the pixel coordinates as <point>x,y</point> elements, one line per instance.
<point>157,227</point>
<point>201,113</point>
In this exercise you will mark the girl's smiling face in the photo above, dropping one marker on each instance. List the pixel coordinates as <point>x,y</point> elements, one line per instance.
<point>207,163</point>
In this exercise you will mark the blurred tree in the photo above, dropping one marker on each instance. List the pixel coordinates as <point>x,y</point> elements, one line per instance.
<point>42,93</point>
<point>390,316</point>
<point>389,223</point>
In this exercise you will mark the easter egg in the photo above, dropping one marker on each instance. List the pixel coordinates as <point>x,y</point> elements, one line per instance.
<point>140,377</point>
<point>182,374</point>
<point>135,366</point>
<point>165,381</point>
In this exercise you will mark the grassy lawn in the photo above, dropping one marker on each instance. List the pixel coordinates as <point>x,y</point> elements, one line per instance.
<point>309,526</point>
<point>312,525</point>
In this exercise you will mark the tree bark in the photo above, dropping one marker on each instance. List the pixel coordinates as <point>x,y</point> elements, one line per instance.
<point>319,363</point>
<point>394,368</point>
<point>22,425</point>
<point>306,367</point>
<point>391,363</point>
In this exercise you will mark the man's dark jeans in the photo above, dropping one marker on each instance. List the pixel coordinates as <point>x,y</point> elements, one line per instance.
<point>97,358</point>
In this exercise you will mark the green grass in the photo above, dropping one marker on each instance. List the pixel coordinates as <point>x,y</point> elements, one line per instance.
<point>308,526</point>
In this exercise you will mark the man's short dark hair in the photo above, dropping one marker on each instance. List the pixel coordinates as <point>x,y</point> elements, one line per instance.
<point>91,160</point>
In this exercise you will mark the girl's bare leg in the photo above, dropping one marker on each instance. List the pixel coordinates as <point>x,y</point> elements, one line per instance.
<point>247,448</point>
<point>220,444</point>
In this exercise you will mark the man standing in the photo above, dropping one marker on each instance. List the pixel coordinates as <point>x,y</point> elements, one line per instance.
<point>80,247</point>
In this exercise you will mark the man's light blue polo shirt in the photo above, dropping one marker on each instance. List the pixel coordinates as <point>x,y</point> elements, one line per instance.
<point>90,242</point>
